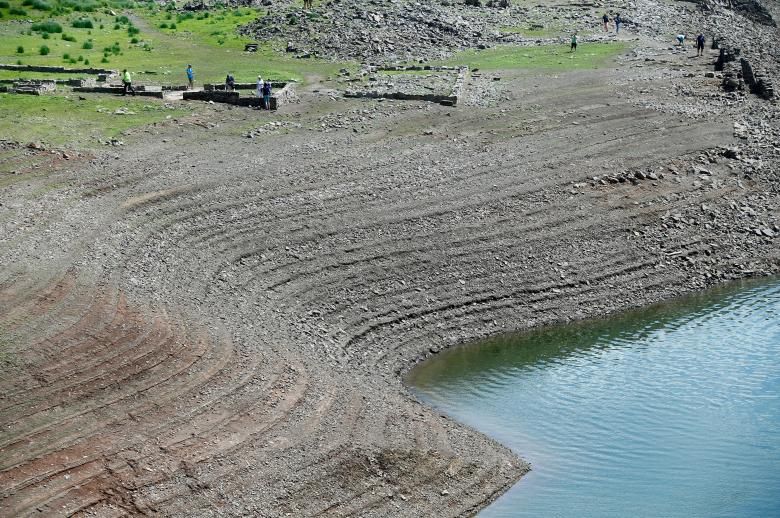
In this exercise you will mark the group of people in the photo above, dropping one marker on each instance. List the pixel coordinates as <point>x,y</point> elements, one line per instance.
<point>617,19</point>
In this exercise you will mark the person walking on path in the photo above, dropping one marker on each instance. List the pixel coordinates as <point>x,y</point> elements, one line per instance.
<point>574,42</point>
<point>267,95</point>
<point>190,76</point>
<point>127,83</point>
<point>700,44</point>
<point>605,19</point>
<point>618,21</point>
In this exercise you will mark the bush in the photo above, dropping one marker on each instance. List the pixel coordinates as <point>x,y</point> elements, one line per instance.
<point>87,45</point>
<point>80,58</point>
<point>68,37</point>
<point>43,50</point>
<point>20,50</point>
<point>45,35</point>
<point>134,41</point>
<point>66,56</point>
<point>123,19</point>
<point>15,11</point>
<point>37,4</point>
<point>19,62</point>
<point>82,23</point>
<point>163,25</point>
<point>132,30</point>
<point>104,60</point>
<point>172,26</point>
<point>4,4</point>
<point>117,26</point>
<point>86,62</point>
<point>48,26</point>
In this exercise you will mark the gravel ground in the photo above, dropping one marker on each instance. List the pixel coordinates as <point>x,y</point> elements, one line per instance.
<point>200,323</point>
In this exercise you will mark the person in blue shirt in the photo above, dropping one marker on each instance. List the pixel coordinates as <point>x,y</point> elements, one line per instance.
<point>190,75</point>
<point>618,21</point>
<point>700,44</point>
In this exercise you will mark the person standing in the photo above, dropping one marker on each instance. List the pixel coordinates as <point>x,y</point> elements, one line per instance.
<point>700,44</point>
<point>618,21</point>
<point>127,83</point>
<point>267,95</point>
<point>574,42</point>
<point>190,76</point>
<point>230,82</point>
<point>259,89</point>
<point>605,19</point>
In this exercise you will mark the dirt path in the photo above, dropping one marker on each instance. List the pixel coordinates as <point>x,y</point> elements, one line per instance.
<point>207,324</point>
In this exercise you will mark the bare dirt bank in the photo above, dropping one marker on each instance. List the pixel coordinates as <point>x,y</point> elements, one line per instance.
<point>205,324</point>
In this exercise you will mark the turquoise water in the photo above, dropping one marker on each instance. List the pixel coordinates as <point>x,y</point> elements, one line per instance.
<point>669,412</point>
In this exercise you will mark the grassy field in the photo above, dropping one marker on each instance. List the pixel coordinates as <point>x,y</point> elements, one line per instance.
<point>50,118</point>
<point>554,57</point>
<point>154,43</point>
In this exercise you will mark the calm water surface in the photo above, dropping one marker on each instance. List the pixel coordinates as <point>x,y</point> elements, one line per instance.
<point>671,412</point>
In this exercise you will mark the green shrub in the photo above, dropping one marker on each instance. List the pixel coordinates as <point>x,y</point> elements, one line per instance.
<point>132,30</point>
<point>47,26</point>
<point>80,58</point>
<point>45,35</point>
<point>163,25</point>
<point>172,26</point>
<point>66,56</point>
<point>102,26</point>
<point>4,4</point>
<point>134,41</point>
<point>19,62</point>
<point>68,37</point>
<point>44,50</point>
<point>20,50</point>
<point>117,26</point>
<point>82,23</point>
<point>86,62</point>
<point>104,60</point>
<point>15,11</point>
<point>123,19</point>
<point>87,45</point>
<point>37,4</point>
<point>72,61</point>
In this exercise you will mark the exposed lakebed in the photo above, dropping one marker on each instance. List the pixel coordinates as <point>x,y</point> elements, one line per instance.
<point>671,411</point>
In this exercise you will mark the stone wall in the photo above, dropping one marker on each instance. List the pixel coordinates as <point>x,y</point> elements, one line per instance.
<point>56,70</point>
<point>279,98</point>
<point>757,80</point>
<point>34,87</point>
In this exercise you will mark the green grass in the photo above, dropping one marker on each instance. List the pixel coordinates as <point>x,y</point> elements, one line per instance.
<point>137,43</point>
<point>557,57</point>
<point>52,119</point>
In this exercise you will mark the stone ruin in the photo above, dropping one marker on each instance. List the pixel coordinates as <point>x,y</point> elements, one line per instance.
<point>737,74</point>
<point>445,85</point>
<point>282,93</point>
<point>34,87</point>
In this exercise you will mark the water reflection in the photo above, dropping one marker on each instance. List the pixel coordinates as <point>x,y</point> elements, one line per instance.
<point>672,411</point>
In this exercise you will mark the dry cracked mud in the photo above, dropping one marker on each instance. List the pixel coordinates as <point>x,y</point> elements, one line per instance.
<point>204,324</point>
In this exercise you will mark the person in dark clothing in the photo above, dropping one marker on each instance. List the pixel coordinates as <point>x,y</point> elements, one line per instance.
<point>605,19</point>
<point>618,21</point>
<point>700,44</point>
<point>230,82</point>
<point>267,95</point>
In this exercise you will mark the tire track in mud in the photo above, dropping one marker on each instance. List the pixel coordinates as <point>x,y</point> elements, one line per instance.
<point>232,339</point>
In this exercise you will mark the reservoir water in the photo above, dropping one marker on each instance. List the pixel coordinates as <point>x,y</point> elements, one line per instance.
<point>673,411</point>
